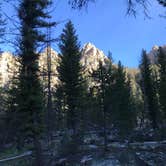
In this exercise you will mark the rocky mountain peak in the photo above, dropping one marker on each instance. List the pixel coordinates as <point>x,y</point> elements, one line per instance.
<point>154,53</point>
<point>155,47</point>
<point>88,45</point>
<point>91,56</point>
<point>90,49</point>
<point>43,57</point>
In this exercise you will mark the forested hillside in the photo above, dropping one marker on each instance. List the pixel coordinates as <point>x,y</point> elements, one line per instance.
<point>77,106</point>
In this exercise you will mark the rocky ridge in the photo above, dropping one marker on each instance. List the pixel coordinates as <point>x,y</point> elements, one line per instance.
<point>154,52</point>
<point>90,60</point>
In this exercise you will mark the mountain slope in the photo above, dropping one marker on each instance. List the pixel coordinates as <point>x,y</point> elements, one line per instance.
<point>89,60</point>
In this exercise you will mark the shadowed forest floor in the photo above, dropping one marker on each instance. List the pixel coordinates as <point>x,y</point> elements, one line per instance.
<point>91,153</point>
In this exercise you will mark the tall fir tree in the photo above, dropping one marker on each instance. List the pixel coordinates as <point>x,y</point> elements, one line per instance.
<point>103,77</point>
<point>149,91</point>
<point>11,119</point>
<point>32,15</point>
<point>59,107</point>
<point>3,126</point>
<point>162,80</point>
<point>122,115</point>
<point>70,75</point>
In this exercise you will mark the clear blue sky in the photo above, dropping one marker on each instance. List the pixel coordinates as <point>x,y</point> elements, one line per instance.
<point>105,24</point>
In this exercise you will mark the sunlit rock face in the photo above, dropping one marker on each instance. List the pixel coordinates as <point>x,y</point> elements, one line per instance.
<point>49,56</point>
<point>8,67</point>
<point>91,56</point>
<point>154,53</point>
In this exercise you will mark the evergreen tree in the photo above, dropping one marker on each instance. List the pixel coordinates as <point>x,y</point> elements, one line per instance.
<point>59,107</point>
<point>70,75</point>
<point>138,103</point>
<point>162,80</point>
<point>148,88</point>
<point>131,4</point>
<point>2,116</point>
<point>11,119</point>
<point>122,115</point>
<point>32,17</point>
<point>103,79</point>
<point>162,2</point>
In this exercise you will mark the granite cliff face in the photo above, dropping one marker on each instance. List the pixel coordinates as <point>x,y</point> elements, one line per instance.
<point>49,55</point>
<point>91,56</point>
<point>8,67</point>
<point>90,60</point>
<point>154,52</point>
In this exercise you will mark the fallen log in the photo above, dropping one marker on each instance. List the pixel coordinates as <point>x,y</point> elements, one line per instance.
<point>25,154</point>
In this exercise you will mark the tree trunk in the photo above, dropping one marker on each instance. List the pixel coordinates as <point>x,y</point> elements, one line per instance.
<point>38,153</point>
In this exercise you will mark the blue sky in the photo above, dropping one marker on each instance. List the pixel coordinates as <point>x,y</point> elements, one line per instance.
<point>105,24</point>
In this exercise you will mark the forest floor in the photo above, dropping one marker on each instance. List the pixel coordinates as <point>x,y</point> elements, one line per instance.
<point>91,153</point>
<point>119,154</point>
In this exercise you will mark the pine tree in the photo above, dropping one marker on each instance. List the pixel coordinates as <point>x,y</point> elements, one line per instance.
<point>148,88</point>
<point>103,79</point>
<point>32,17</point>
<point>70,75</point>
<point>59,107</point>
<point>11,119</point>
<point>78,4</point>
<point>162,80</point>
<point>122,115</point>
<point>137,100</point>
<point>2,116</point>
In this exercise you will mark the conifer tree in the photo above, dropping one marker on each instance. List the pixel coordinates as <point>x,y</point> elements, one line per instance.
<point>148,88</point>
<point>11,119</point>
<point>103,79</point>
<point>122,115</point>
<point>32,17</point>
<point>59,107</point>
<point>70,75</point>
<point>131,4</point>
<point>2,116</point>
<point>137,100</point>
<point>162,80</point>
